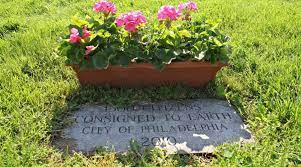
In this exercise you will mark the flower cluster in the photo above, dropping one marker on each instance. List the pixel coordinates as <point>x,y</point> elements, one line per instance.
<point>187,7</point>
<point>75,36</point>
<point>168,13</point>
<point>104,7</point>
<point>131,20</point>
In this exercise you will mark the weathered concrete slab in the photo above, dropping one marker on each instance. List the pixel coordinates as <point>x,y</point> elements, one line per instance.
<point>193,126</point>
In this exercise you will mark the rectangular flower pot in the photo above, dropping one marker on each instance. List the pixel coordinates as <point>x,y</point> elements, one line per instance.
<point>188,73</point>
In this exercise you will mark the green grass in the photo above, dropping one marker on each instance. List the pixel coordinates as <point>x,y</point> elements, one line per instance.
<point>263,82</point>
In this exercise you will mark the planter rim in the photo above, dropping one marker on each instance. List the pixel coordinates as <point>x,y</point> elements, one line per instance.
<point>184,64</point>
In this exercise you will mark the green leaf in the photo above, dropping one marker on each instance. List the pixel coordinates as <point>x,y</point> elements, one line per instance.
<point>78,54</point>
<point>217,42</point>
<point>169,42</point>
<point>172,34</point>
<point>75,54</point>
<point>124,60</point>
<point>185,51</point>
<point>64,49</point>
<point>103,34</point>
<point>177,52</point>
<point>197,45</point>
<point>100,60</point>
<point>86,64</point>
<point>168,56</point>
<point>213,58</point>
<point>143,56</point>
<point>200,46</point>
<point>107,34</point>
<point>79,22</point>
<point>184,33</point>
<point>200,56</point>
<point>146,37</point>
<point>92,22</point>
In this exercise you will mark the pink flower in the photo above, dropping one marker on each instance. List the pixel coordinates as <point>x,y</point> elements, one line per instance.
<point>104,7</point>
<point>86,33</point>
<point>74,31</point>
<point>89,49</point>
<point>74,36</point>
<point>168,13</point>
<point>188,7</point>
<point>119,21</point>
<point>131,20</point>
<point>131,27</point>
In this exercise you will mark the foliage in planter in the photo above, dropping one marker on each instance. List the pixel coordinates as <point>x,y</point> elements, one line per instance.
<point>100,41</point>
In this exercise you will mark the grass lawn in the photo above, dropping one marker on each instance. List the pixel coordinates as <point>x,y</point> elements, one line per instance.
<point>264,83</point>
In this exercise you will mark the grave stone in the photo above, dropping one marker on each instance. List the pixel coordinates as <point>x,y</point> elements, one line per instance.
<point>190,126</point>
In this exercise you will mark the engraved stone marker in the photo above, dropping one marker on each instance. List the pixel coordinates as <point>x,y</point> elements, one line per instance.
<point>192,126</point>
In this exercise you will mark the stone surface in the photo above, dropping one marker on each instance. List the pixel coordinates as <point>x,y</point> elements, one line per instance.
<point>192,126</point>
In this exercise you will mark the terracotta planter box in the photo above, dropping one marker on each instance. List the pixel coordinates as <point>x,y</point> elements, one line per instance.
<point>188,73</point>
